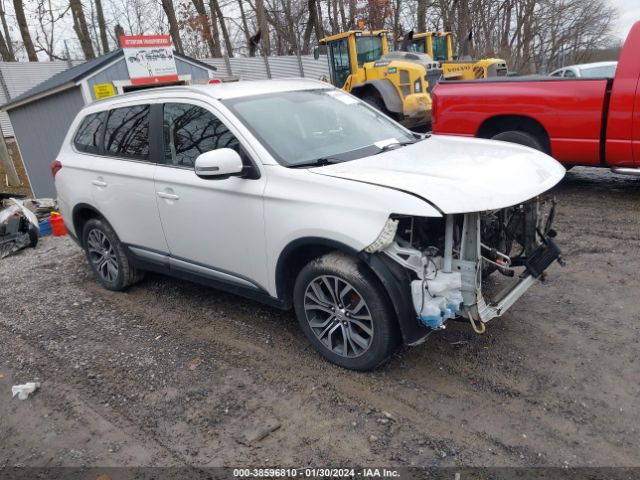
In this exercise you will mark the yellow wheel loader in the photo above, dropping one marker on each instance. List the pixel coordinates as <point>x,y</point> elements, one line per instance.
<point>395,83</point>
<point>439,45</point>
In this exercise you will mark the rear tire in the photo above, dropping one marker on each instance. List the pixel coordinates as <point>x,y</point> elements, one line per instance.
<point>344,312</point>
<point>107,257</point>
<point>521,138</point>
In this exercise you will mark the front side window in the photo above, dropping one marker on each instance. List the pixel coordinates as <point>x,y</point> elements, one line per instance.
<point>369,49</point>
<point>190,130</point>
<point>89,133</point>
<point>127,132</point>
<point>299,127</point>
<point>569,74</point>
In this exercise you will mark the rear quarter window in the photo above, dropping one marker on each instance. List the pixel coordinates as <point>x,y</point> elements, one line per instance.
<point>89,134</point>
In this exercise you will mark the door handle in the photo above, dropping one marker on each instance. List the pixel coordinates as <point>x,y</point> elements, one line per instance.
<point>99,183</point>
<point>168,196</point>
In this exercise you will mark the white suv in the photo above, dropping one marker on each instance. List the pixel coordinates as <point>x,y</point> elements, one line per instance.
<point>299,195</point>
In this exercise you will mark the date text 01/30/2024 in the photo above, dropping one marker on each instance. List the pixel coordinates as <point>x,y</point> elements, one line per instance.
<point>315,473</point>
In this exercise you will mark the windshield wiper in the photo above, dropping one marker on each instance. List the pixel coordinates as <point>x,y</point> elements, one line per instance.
<point>318,162</point>
<point>394,145</point>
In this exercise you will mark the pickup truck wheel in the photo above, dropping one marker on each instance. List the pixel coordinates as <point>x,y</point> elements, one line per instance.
<point>107,257</point>
<point>519,137</point>
<point>344,313</point>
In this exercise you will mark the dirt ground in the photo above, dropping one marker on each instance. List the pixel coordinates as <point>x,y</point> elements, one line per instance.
<point>171,373</point>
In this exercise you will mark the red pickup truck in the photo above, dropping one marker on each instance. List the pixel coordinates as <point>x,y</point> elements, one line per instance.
<point>592,122</point>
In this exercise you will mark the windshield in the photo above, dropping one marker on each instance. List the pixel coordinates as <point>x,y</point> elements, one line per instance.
<point>300,127</point>
<point>369,49</point>
<point>606,71</point>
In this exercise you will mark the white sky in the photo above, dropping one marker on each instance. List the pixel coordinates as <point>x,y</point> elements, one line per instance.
<point>629,13</point>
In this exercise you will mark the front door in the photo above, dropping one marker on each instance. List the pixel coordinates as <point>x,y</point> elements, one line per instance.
<point>214,227</point>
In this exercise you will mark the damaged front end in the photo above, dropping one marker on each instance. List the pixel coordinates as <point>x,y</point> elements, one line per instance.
<point>449,259</point>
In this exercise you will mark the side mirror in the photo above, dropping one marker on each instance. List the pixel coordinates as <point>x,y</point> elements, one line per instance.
<point>220,163</point>
<point>316,52</point>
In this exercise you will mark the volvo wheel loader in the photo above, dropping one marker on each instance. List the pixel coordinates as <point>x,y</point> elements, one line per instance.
<point>394,82</point>
<point>439,45</point>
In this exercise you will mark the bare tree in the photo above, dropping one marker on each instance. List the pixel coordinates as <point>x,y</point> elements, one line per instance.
<point>18,6</point>
<point>102,26</point>
<point>7,56</point>
<point>216,13</point>
<point>81,29</point>
<point>47,16</point>
<point>263,27</point>
<point>202,20</point>
<point>10,54</point>
<point>174,30</point>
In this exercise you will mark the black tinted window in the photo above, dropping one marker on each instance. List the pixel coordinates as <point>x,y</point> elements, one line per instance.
<point>127,132</point>
<point>89,133</point>
<point>190,130</point>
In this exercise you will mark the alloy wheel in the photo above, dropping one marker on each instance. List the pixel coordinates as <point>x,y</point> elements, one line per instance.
<point>102,255</point>
<point>338,316</point>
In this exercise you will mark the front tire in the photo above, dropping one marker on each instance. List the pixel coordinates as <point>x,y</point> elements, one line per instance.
<point>107,257</point>
<point>344,312</point>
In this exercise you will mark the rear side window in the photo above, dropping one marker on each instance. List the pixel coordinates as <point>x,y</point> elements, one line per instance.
<point>89,133</point>
<point>127,132</point>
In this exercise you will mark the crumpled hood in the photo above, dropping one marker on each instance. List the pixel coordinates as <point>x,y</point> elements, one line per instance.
<point>456,174</point>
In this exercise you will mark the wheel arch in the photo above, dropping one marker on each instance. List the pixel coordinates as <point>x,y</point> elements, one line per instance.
<point>296,255</point>
<point>81,214</point>
<point>524,123</point>
<point>385,90</point>
<point>394,279</point>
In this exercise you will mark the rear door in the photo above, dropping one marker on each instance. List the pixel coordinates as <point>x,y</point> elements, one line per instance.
<point>122,178</point>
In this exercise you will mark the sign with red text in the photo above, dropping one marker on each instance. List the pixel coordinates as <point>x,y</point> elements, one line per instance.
<point>149,58</point>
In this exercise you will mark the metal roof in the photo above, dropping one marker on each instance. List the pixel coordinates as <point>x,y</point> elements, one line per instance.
<point>73,75</point>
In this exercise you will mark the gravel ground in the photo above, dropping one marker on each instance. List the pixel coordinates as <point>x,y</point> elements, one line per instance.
<point>172,373</point>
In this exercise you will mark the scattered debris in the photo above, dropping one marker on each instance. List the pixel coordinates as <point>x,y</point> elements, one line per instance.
<point>373,438</point>
<point>23,391</point>
<point>18,228</point>
<point>388,415</point>
<point>195,363</point>
<point>257,433</point>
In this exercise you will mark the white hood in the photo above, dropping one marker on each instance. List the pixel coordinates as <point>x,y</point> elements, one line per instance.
<point>457,174</point>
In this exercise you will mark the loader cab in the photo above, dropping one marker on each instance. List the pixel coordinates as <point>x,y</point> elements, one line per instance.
<point>348,52</point>
<point>438,45</point>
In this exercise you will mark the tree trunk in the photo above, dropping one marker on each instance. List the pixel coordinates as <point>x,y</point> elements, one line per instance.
<point>7,35</point>
<point>118,31</point>
<point>81,29</point>
<point>24,30</point>
<point>102,26</point>
<point>306,36</point>
<point>343,16</point>
<point>4,50</point>
<point>214,46</point>
<point>264,27</point>
<point>245,27</point>
<point>421,14</point>
<point>174,31</point>
<point>215,6</point>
